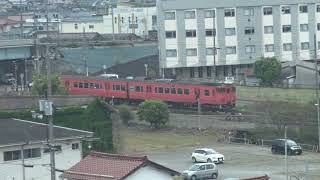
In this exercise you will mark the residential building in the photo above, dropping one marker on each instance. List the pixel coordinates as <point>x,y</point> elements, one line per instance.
<point>240,31</point>
<point>117,167</point>
<point>139,21</point>
<point>23,148</point>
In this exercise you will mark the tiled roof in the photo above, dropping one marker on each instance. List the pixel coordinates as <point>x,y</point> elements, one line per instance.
<point>102,166</point>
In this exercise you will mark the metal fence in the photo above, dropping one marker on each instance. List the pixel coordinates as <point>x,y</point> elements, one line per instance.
<point>268,143</point>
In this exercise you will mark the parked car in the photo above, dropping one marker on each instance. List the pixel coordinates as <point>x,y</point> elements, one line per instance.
<point>278,146</point>
<point>201,171</point>
<point>207,155</point>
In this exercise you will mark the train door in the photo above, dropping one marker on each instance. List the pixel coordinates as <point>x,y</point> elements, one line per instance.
<point>197,94</point>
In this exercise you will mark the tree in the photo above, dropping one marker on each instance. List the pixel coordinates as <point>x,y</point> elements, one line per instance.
<point>155,112</point>
<point>100,123</point>
<point>40,85</point>
<point>152,73</point>
<point>125,114</point>
<point>268,70</point>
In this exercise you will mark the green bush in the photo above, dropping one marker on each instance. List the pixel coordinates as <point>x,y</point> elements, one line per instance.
<point>125,114</point>
<point>155,112</point>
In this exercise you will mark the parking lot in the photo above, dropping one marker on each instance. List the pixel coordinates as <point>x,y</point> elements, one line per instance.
<point>245,161</point>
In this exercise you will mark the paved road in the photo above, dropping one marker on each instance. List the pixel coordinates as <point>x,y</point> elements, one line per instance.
<point>245,161</point>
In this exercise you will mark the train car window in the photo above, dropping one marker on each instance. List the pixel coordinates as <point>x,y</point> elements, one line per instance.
<point>113,87</point>
<point>160,90</point>
<point>97,86</point>
<point>167,90</point>
<point>228,90</point>
<point>156,90</point>
<point>80,85</point>
<point>221,90</point>
<point>212,92</point>
<point>86,85</point>
<point>149,89</point>
<point>206,92</point>
<point>75,85</point>
<point>233,89</point>
<point>173,90</point>
<point>180,91</point>
<point>141,88</point>
<point>91,85</point>
<point>186,91</point>
<point>132,89</point>
<point>123,88</point>
<point>118,87</point>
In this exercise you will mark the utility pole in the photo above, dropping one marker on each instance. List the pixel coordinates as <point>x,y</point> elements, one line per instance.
<point>317,86</point>
<point>23,168</point>
<point>286,151</point>
<point>214,45</point>
<point>21,19</point>
<point>199,111</point>
<point>112,16</point>
<point>86,65</point>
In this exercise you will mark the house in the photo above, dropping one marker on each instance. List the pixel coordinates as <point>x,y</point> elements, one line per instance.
<point>102,166</point>
<point>17,136</point>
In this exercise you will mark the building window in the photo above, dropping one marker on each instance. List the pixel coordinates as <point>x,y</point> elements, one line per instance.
<point>171,53</point>
<point>191,75</point>
<point>305,46</point>
<point>231,50</point>
<point>268,29</point>
<point>286,28</point>
<point>230,31</point>
<point>250,49</point>
<point>91,26</point>
<point>209,52</point>
<point>318,44</point>
<point>229,13</point>
<point>303,9</point>
<point>267,11</point>
<point>170,34</point>
<point>189,14</point>
<point>249,30</point>
<point>318,8</point>
<point>287,47</point>
<point>11,155</point>
<point>269,48</point>
<point>304,28</point>
<point>191,33</point>
<point>210,13</point>
<point>318,26</point>
<point>75,146</point>
<point>249,12</point>
<point>210,32</point>
<point>208,71</point>
<point>200,72</point>
<point>76,26</point>
<point>285,9</point>
<point>170,15</point>
<point>31,153</point>
<point>115,20</point>
<point>191,52</point>
<point>154,20</point>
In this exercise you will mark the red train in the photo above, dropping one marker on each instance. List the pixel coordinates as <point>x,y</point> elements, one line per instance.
<point>177,93</point>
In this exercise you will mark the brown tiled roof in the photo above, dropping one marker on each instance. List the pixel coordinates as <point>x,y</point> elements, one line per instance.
<point>102,166</point>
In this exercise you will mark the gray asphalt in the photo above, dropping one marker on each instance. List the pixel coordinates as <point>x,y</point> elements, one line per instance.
<point>245,161</point>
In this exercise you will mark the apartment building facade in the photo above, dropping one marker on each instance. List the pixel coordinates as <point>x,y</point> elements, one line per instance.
<point>212,38</point>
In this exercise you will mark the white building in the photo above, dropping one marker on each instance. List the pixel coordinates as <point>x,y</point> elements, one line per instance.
<point>243,31</point>
<point>139,21</point>
<point>17,136</point>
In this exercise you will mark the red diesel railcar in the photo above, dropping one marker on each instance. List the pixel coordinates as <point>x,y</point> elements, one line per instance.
<point>177,93</point>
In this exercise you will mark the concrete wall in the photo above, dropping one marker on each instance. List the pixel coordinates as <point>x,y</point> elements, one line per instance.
<point>28,102</point>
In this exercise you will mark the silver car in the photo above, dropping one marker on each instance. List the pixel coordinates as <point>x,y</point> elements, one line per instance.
<point>201,171</point>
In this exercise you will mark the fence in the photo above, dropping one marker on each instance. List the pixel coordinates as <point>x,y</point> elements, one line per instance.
<point>268,143</point>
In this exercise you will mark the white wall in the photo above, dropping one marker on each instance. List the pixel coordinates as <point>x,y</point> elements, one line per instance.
<point>69,27</point>
<point>149,171</point>
<point>41,170</point>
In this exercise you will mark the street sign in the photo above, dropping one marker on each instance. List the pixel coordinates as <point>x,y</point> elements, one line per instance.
<point>46,107</point>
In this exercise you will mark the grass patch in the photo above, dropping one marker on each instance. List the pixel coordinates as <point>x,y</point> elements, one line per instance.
<point>142,140</point>
<point>276,94</point>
